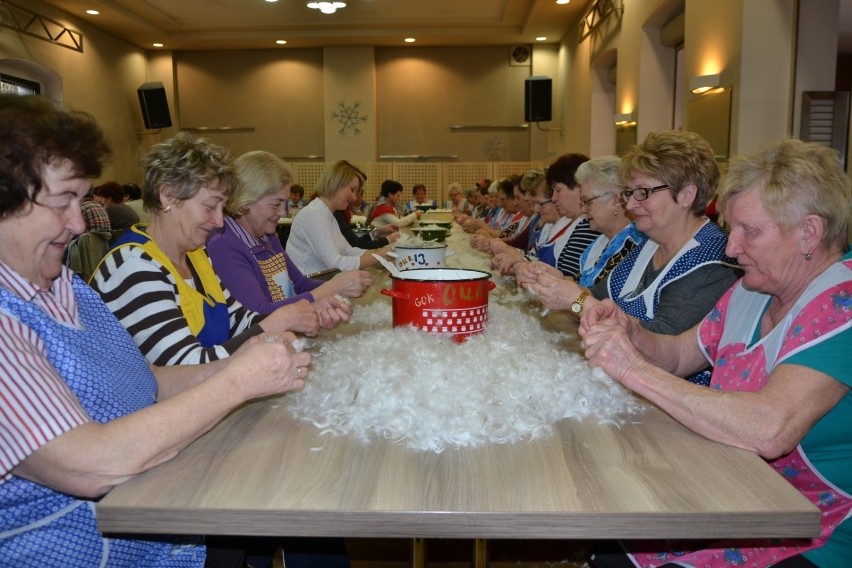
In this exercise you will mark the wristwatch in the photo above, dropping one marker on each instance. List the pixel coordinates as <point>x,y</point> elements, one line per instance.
<point>577,305</point>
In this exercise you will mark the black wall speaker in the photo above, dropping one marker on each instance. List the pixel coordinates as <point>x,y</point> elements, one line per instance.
<point>538,99</point>
<point>155,107</point>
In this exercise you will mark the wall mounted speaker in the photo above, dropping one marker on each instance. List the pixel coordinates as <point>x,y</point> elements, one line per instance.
<point>155,106</point>
<point>538,99</point>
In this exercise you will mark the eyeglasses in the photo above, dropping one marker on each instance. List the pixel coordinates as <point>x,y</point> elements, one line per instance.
<point>641,193</point>
<point>540,203</point>
<point>585,202</point>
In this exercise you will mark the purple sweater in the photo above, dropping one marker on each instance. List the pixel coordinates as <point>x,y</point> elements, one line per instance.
<point>237,259</point>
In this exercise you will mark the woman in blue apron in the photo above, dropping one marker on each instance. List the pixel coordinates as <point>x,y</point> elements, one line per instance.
<point>75,392</point>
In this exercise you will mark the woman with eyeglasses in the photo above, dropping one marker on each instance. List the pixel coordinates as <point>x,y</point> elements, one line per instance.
<point>672,280</point>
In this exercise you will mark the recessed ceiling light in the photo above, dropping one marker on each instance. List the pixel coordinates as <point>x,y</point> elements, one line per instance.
<point>157,45</point>
<point>92,12</point>
<point>280,41</point>
<point>271,1</point>
<point>410,40</point>
<point>541,38</point>
<point>562,1</point>
<point>327,7</point>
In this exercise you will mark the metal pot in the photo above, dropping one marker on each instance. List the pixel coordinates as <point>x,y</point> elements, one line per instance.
<point>413,256</point>
<point>438,234</point>
<point>450,301</point>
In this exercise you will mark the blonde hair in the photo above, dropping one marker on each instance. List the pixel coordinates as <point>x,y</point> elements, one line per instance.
<point>795,179</point>
<point>259,174</point>
<point>181,166</point>
<point>336,176</point>
<point>531,180</point>
<point>677,158</point>
<point>454,188</point>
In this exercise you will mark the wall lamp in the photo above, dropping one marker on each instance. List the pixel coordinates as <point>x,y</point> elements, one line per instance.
<point>625,119</point>
<point>705,83</point>
<point>326,7</point>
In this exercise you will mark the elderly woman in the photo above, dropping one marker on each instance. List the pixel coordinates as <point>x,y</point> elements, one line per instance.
<point>248,256</point>
<point>600,198</point>
<point>778,342</point>
<point>315,242</point>
<point>420,200</point>
<point>159,280</point>
<point>567,239</point>
<point>384,211</point>
<point>675,277</point>
<point>457,202</point>
<point>102,414</point>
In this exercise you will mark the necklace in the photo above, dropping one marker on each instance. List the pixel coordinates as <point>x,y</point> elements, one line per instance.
<point>661,263</point>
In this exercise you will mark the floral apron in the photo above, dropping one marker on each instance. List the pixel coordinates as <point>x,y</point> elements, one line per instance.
<point>740,367</point>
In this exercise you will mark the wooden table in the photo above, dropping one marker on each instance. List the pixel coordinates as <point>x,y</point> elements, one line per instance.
<point>260,473</point>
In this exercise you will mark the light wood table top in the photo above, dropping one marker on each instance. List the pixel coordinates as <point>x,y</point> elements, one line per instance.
<point>261,473</point>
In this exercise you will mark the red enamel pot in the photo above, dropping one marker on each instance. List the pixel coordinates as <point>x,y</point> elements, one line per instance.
<point>452,301</point>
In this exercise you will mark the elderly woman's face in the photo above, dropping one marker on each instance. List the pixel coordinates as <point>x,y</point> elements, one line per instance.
<point>567,200</point>
<point>263,215</point>
<point>33,241</point>
<point>654,215</point>
<point>195,218</point>
<point>769,257</point>
<point>420,195</point>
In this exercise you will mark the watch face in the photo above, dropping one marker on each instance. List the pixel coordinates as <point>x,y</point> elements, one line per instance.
<point>576,308</point>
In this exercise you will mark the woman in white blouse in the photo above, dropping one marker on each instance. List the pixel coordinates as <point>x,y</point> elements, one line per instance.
<point>315,242</point>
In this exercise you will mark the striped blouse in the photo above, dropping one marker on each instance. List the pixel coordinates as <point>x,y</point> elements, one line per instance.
<point>35,403</point>
<point>143,295</point>
<point>569,258</point>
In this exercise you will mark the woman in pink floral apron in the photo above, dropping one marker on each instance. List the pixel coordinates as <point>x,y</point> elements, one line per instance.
<point>779,345</point>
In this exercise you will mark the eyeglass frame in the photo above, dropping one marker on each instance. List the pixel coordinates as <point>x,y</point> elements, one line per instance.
<point>542,202</point>
<point>585,202</point>
<point>645,191</point>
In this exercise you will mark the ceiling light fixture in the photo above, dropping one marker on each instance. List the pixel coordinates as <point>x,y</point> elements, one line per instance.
<point>281,41</point>
<point>541,38</point>
<point>157,44</point>
<point>92,12</point>
<point>409,40</point>
<point>326,7</point>
<point>562,1</point>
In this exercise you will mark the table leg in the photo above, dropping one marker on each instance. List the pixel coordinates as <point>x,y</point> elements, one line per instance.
<point>418,553</point>
<point>480,553</point>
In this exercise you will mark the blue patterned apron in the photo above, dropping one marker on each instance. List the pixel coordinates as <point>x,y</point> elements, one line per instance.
<point>102,366</point>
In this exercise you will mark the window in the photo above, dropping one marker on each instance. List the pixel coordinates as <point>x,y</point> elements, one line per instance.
<point>10,84</point>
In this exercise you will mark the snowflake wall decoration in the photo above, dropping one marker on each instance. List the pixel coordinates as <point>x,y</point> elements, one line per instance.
<point>494,148</point>
<point>349,117</point>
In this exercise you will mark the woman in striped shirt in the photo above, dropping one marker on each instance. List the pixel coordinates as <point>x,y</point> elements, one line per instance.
<point>158,280</point>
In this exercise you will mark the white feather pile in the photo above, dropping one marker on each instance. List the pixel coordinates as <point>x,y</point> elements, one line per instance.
<point>511,383</point>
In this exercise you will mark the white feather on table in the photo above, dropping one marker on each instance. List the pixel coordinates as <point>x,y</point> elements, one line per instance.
<point>511,383</point>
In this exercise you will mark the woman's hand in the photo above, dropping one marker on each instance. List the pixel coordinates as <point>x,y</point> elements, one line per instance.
<point>299,316</point>
<point>387,229</point>
<point>507,262</point>
<point>528,273</point>
<point>607,345</point>
<point>393,237</point>
<point>605,310</point>
<point>479,242</point>
<point>332,311</point>
<point>349,284</point>
<point>268,364</point>
<point>555,292</point>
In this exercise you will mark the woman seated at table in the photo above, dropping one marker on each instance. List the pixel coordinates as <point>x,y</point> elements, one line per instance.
<point>371,239</point>
<point>779,345</point>
<point>419,193</point>
<point>532,183</point>
<point>457,202</point>
<point>158,279</point>
<point>676,276</point>
<point>384,210</point>
<point>509,221</point>
<point>247,254</point>
<point>315,241</point>
<point>600,198</point>
<point>101,414</point>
